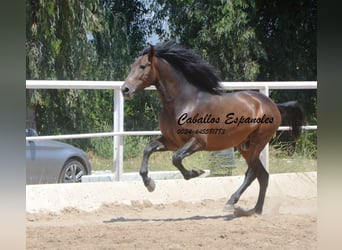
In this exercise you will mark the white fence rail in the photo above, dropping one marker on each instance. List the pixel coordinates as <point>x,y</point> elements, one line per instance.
<point>118,131</point>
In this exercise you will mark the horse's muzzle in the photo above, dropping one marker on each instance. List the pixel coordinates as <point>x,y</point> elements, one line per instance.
<point>127,92</point>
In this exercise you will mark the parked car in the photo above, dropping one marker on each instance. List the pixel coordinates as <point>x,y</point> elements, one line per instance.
<point>49,161</point>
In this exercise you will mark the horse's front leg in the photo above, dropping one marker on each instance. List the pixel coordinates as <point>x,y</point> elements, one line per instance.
<point>190,147</point>
<point>153,146</point>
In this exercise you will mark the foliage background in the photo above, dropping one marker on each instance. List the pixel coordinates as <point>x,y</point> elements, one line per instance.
<point>254,40</point>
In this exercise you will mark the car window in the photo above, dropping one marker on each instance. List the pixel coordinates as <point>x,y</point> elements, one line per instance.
<point>31,132</point>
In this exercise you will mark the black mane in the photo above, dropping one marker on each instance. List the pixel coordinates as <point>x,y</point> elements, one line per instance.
<point>194,68</point>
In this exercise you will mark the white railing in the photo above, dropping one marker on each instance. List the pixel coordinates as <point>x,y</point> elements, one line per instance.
<point>118,131</point>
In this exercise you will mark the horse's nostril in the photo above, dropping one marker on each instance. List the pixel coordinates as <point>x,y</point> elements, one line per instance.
<point>125,89</point>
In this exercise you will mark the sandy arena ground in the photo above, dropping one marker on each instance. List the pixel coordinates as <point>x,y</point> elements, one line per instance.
<point>288,222</point>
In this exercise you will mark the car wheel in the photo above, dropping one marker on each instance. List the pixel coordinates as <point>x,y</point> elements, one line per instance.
<point>72,172</point>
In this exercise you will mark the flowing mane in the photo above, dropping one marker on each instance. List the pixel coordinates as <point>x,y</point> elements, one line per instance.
<point>197,72</point>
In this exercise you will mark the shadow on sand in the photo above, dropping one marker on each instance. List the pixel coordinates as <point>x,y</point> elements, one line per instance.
<point>192,218</point>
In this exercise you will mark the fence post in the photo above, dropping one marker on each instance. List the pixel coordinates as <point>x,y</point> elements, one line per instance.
<point>118,140</point>
<point>264,156</point>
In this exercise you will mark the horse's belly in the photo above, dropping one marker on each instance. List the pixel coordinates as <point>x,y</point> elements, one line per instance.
<point>225,140</point>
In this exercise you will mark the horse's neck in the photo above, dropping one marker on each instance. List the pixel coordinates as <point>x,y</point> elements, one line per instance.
<point>167,94</point>
<point>173,88</point>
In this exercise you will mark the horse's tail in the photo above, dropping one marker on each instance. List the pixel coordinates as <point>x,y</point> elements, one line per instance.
<point>292,113</point>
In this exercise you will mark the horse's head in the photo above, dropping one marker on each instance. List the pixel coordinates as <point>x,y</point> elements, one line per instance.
<point>141,76</point>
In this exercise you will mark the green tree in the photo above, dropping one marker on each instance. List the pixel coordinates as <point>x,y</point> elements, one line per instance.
<point>79,40</point>
<point>287,30</point>
<point>57,48</point>
<point>222,31</point>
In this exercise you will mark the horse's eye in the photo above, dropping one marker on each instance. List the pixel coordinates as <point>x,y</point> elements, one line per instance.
<point>142,66</point>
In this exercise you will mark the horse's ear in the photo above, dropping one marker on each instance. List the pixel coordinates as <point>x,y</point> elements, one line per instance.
<point>151,52</point>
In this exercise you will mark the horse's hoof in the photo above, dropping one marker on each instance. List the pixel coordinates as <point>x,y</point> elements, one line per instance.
<point>201,172</point>
<point>151,186</point>
<point>229,208</point>
<point>197,172</point>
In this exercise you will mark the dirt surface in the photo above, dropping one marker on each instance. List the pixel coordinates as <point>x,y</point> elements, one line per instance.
<point>287,223</point>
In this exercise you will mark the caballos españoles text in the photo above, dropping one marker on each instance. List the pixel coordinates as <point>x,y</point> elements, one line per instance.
<point>229,119</point>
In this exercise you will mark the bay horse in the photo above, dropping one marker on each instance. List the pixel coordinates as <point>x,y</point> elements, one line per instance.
<point>198,115</point>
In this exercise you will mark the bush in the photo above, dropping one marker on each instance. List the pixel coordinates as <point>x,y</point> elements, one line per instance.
<point>102,147</point>
<point>134,146</point>
<point>306,145</point>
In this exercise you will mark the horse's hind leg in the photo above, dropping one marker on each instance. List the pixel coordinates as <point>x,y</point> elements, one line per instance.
<point>263,177</point>
<point>250,176</point>
<point>255,170</point>
<point>190,147</point>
